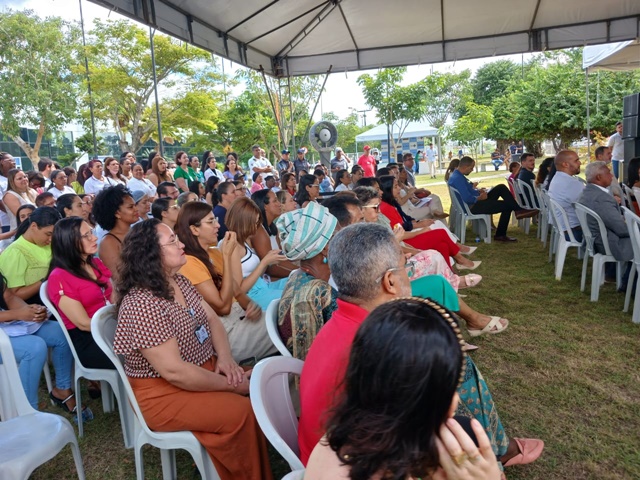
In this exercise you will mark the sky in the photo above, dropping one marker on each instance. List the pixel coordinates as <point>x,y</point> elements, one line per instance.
<point>341,95</point>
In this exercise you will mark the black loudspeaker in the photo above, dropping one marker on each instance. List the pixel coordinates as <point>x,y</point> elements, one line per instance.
<point>631,105</point>
<point>631,149</point>
<point>399,158</point>
<point>631,127</point>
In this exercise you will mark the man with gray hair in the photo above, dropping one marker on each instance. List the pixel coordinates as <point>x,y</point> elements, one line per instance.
<point>596,196</point>
<point>603,154</point>
<point>366,278</point>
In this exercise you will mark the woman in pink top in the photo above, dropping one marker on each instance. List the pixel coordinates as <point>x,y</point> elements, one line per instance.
<point>257,183</point>
<point>79,285</point>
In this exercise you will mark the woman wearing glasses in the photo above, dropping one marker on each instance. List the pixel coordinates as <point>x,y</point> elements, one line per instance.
<point>178,359</point>
<point>79,285</point>
<point>308,190</point>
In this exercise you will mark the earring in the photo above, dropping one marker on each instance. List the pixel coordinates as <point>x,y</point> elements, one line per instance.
<point>324,259</point>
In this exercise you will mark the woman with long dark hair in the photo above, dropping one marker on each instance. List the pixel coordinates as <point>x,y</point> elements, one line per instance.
<point>418,233</point>
<point>69,205</point>
<point>210,189</point>
<point>184,174</point>
<point>96,180</point>
<point>308,190</point>
<point>266,237</point>
<point>543,170</point>
<point>113,172</point>
<point>177,356</point>
<point>159,171</point>
<point>79,285</point>
<point>413,350</point>
<point>288,183</point>
<point>18,193</point>
<point>58,185</point>
<point>210,271</point>
<point>231,167</point>
<point>210,167</point>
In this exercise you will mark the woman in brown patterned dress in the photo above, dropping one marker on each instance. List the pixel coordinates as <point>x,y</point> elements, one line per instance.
<point>177,356</point>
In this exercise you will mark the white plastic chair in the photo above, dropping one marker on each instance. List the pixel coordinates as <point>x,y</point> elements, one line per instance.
<point>103,329</point>
<point>561,222</point>
<point>633,223</point>
<point>626,194</point>
<point>548,225</point>
<point>481,222</point>
<point>271,318</point>
<point>599,259</point>
<point>30,438</point>
<point>110,383</point>
<point>271,401</point>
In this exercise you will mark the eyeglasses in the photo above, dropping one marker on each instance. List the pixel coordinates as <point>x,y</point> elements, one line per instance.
<point>241,189</point>
<point>315,185</point>
<point>376,207</point>
<point>175,207</point>
<point>87,202</point>
<point>89,234</point>
<point>410,268</point>
<point>173,243</point>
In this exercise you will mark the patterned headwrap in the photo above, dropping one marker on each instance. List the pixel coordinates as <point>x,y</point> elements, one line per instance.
<point>305,232</point>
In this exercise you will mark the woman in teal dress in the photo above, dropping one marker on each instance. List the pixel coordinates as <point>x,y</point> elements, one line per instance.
<point>308,301</point>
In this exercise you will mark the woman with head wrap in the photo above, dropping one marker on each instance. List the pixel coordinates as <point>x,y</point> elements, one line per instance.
<point>308,300</point>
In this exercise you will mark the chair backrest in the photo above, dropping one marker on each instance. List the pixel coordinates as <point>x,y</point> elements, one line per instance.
<point>14,399</point>
<point>560,219</point>
<point>103,331</point>
<point>44,296</point>
<point>271,318</point>
<point>633,225</point>
<point>527,195</point>
<point>626,194</point>
<point>271,401</point>
<point>583,215</point>
<point>456,199</point>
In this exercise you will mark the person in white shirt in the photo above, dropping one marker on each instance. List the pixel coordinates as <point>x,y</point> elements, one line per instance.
<point>617,150</point>
<point>431,155</point>
<point>343,181</point>
<point>567,189</point>
<point>45,167</point>
<point>6,163</point>
<point>59,184</point>
<point>97,181</point>
<point>210,167</point>
<point>257,163</point>
<point>138,182</point>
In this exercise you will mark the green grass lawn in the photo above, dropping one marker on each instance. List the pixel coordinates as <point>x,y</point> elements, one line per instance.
<point>565,371</point>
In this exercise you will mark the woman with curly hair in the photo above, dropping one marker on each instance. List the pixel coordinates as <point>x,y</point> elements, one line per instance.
<point>114,209</point>
<point>159,172</point>
<point>412,348</point>
<point>177,356</point>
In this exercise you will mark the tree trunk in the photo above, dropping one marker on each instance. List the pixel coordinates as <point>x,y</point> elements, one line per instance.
<point>26,148</point>
<point>534,147</point>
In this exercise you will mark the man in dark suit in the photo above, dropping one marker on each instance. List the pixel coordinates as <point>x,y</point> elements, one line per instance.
<point>597,197</point>
<point>527,164</point>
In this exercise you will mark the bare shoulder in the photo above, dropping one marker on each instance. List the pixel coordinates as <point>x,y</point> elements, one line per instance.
<point>324,464</point>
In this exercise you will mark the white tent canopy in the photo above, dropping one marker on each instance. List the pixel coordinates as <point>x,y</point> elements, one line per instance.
<point>304,37</point>
<point>414,129</point>
<point>614,56</point>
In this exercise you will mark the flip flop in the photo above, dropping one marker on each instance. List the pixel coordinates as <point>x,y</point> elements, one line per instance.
<point>530,450</point>
<point>495,322</point>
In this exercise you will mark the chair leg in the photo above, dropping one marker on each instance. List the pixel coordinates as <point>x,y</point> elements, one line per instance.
<point>627,297</point>
<point>560,256</point>
<point>137,452</point>
<point>619,273</point>
<point>126,414</point>
<point>636,305</point>
<point>77,459</point>
<point>168,460</point>
<point>463,230</point>
<point>107,396</point>
<point>204,464</point>
<point>47,376</point>
<point>79,409</point>
<point>583,279</point>
<point>596,276</point>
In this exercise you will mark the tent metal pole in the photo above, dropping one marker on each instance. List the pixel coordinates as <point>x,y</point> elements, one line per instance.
<point>155,88</point>
<point>86,68</point>
<point>586,78</point>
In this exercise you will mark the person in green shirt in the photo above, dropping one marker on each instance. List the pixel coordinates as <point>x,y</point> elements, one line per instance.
<point>25,263</point>
<point>184,174</point>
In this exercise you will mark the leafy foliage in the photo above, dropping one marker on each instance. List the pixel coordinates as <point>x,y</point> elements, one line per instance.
<point>472,127</point>
<point>38,85</point>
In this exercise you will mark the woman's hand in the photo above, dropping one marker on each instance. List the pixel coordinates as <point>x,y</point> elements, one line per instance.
<point>460,459</point>
<point>31,313</point>
<point>253,311</point>
<point>398,232</point>
<point>273,256</point>
<point>230,243</point>
<point>425,223</point>
<point>228,367</point>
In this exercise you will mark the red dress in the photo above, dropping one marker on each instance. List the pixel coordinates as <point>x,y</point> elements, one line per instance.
<point>436,239</point>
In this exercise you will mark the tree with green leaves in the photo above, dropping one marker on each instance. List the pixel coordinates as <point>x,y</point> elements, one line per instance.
<point>471,128</point>
<point>443,96</point>
<point>492,80</point>
<point>84,143</point>
<point>39,87</point>
<point>396,105</point>
<point>122,81</point>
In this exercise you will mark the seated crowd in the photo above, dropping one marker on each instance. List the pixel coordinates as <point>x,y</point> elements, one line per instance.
<point>192,259</point>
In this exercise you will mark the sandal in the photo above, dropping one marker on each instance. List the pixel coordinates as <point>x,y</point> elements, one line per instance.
<point>470,280</point>
<point>87,414</point>
<point>530,449</point>
<point>494,326</point>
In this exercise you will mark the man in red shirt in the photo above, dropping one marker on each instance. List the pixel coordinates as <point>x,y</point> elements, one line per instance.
<point>367,162</point>
<point>328,356</point>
